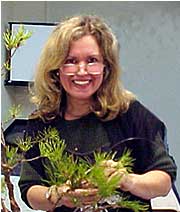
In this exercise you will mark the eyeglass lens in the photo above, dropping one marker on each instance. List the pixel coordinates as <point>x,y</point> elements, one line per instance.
<point>93,66</point>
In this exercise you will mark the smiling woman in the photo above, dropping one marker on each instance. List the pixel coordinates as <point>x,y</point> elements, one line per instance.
<point>84,59</point>
<point>79,92</point>
<point>87,46</point>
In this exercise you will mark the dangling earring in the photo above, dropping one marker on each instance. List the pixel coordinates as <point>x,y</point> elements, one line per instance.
<point>57,73</point>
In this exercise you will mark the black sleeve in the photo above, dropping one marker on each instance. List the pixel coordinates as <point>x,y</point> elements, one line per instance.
<point>32,172</point>
<point>153,145</point>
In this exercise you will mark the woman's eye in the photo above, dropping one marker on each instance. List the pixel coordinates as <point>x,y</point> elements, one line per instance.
<point>70,61</point>
<point>93,60</point>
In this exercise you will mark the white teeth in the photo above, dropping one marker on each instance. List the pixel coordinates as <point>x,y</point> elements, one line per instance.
<point>81,82</point>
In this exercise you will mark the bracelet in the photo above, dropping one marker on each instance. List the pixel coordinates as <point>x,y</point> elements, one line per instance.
<point>60,195</point>
<point>49,193</point>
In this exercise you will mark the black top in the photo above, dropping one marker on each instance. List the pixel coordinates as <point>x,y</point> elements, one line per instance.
<point>137,129</point>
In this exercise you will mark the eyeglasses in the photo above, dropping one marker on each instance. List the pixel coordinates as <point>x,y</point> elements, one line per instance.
<point>93,65</point>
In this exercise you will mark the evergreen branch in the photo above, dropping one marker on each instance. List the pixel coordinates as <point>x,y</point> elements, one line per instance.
<point>62,167</point>
<point>13,112</point>
<point>17,38</point>
<point>25,160</point>
<point>103,156</point>
<point>105,186</point>
<point>50,145</point>
<point>126,161</point>
<point>134,205</point>
<point>13,40</point>
<point>24,144</point>
<point>12,156</point>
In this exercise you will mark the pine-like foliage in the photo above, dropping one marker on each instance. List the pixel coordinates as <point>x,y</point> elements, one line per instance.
<point>12,41</point>
<point>107,186</point>
<point>62,167</point>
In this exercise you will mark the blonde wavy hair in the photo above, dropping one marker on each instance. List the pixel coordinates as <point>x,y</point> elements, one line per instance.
<point>49,95</point>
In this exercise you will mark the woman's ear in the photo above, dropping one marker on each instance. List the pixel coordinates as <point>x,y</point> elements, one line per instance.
<point>54,73</point>
<point>54,76</point>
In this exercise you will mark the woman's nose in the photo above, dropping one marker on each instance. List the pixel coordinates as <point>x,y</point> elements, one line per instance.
<point>82,69</point>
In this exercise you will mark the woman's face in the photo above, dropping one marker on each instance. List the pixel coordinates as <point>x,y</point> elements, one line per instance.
<point>82,85</point>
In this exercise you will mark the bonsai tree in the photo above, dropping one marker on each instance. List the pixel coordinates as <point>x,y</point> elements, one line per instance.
<point>12,41</point>
<point>76,172</point>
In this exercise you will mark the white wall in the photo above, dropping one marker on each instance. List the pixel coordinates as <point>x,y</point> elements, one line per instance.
<point>149,34</point>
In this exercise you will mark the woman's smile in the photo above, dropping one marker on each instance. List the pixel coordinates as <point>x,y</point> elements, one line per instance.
<point>81,84</point>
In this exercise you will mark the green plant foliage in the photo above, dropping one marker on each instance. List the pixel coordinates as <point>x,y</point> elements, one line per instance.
<point>102,156</point>
<point>12,156</point>
<point>7,66</point>
<point>105,185</point>
<point>24,144</point>
<point>63,167</point>
<point>17,38</point>
<point>12,41</point>
<point>3,186</point>
<point>60,166</point>
<point>51,146</point>
<point>13,112</point>
<point>136,206</point>
<point>126,161</point>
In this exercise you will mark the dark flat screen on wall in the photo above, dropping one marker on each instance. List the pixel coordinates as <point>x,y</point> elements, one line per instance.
<point>24,61</point>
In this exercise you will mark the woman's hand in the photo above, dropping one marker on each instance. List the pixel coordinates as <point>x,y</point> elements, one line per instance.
<point>80,197</point>
<point>146,186</point>
<point>112,169</point>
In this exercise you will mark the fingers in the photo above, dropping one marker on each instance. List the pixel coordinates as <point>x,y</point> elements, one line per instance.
<point>119,173</point>
<point>87,191</point>
<point>64,188</point>
<point>109,171</point>
<point>109,163</point>
<point>112,169</point>
<point>85,195</point>
<point>85,184</point>
<point>81,197</point>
